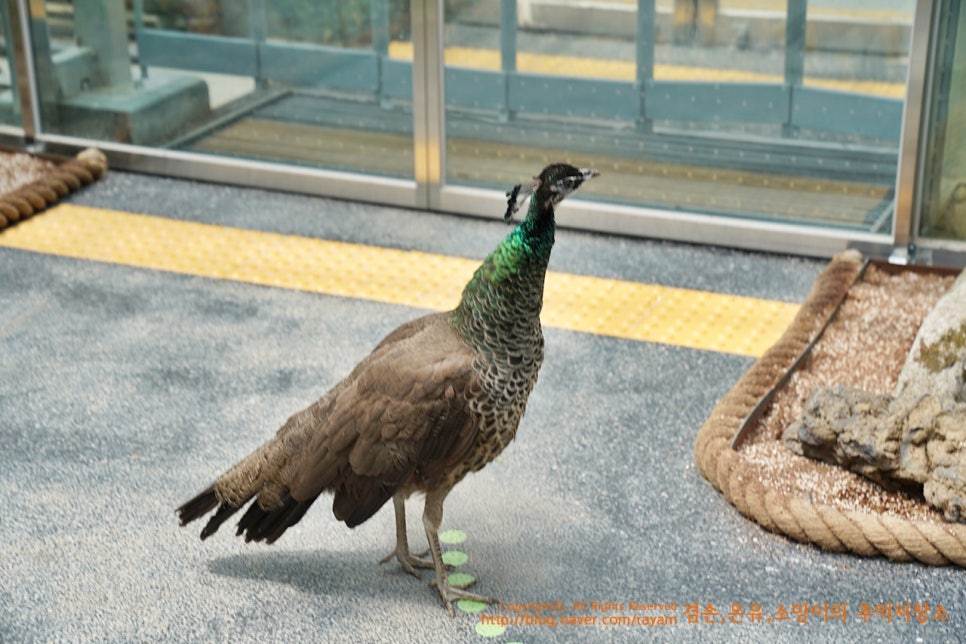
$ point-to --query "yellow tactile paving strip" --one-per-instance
(688, 318)
(608, 69)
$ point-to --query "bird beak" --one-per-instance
(589, 173)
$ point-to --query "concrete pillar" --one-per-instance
(101, 26)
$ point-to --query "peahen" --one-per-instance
(438, 398)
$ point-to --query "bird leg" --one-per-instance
(432, 518)
(409, 561)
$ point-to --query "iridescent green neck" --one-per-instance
(507, 289)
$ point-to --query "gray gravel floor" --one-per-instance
(123, 391)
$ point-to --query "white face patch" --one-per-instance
(559, 190)
(564, 186)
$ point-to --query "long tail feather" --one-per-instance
(260, 476)
(224, 512)
(199, 506)
(268, 525)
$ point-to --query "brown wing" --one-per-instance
(401, 416)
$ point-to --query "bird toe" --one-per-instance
(409, 561)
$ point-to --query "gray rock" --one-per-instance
(914, 438)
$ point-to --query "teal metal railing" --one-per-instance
(509, 92)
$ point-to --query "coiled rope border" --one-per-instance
(829, 527)
(26, 201)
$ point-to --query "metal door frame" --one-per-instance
(429, 190)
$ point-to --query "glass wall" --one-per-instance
(944, 182)
(772, 124)
(753, 108)
(9, 99)
(300, 82)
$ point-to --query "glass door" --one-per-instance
(304, 83)
(942, 218)
(764, 110)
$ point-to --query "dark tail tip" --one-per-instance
(256, 524)
(202, 505)
(268, 525)
(199, 506)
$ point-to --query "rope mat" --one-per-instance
(838, 529)
(22, 200)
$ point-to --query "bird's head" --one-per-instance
(554, 184)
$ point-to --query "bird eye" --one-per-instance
(565, 183)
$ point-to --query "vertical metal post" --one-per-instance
(646, 31)
(795, 25)
(37, 87)
(258, 25)
(508, 52)
(379, 21)
(138, 29)
(379, 26)
(429, 112)
(942, 120)
(8, 29)
(911, 164)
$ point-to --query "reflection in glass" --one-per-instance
(9, 97)
(732, 107)
(294, 81)
(944, 190)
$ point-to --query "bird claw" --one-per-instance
(451, 593)
(409, 561)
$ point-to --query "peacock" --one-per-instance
(438, 398)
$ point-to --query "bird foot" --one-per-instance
(410, 561)
(450, 593)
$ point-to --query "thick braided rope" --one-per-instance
(832, 528)
(28, 200)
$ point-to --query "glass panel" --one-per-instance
(944, 190)
(728, 107)
(304, 82)
(9, 100)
